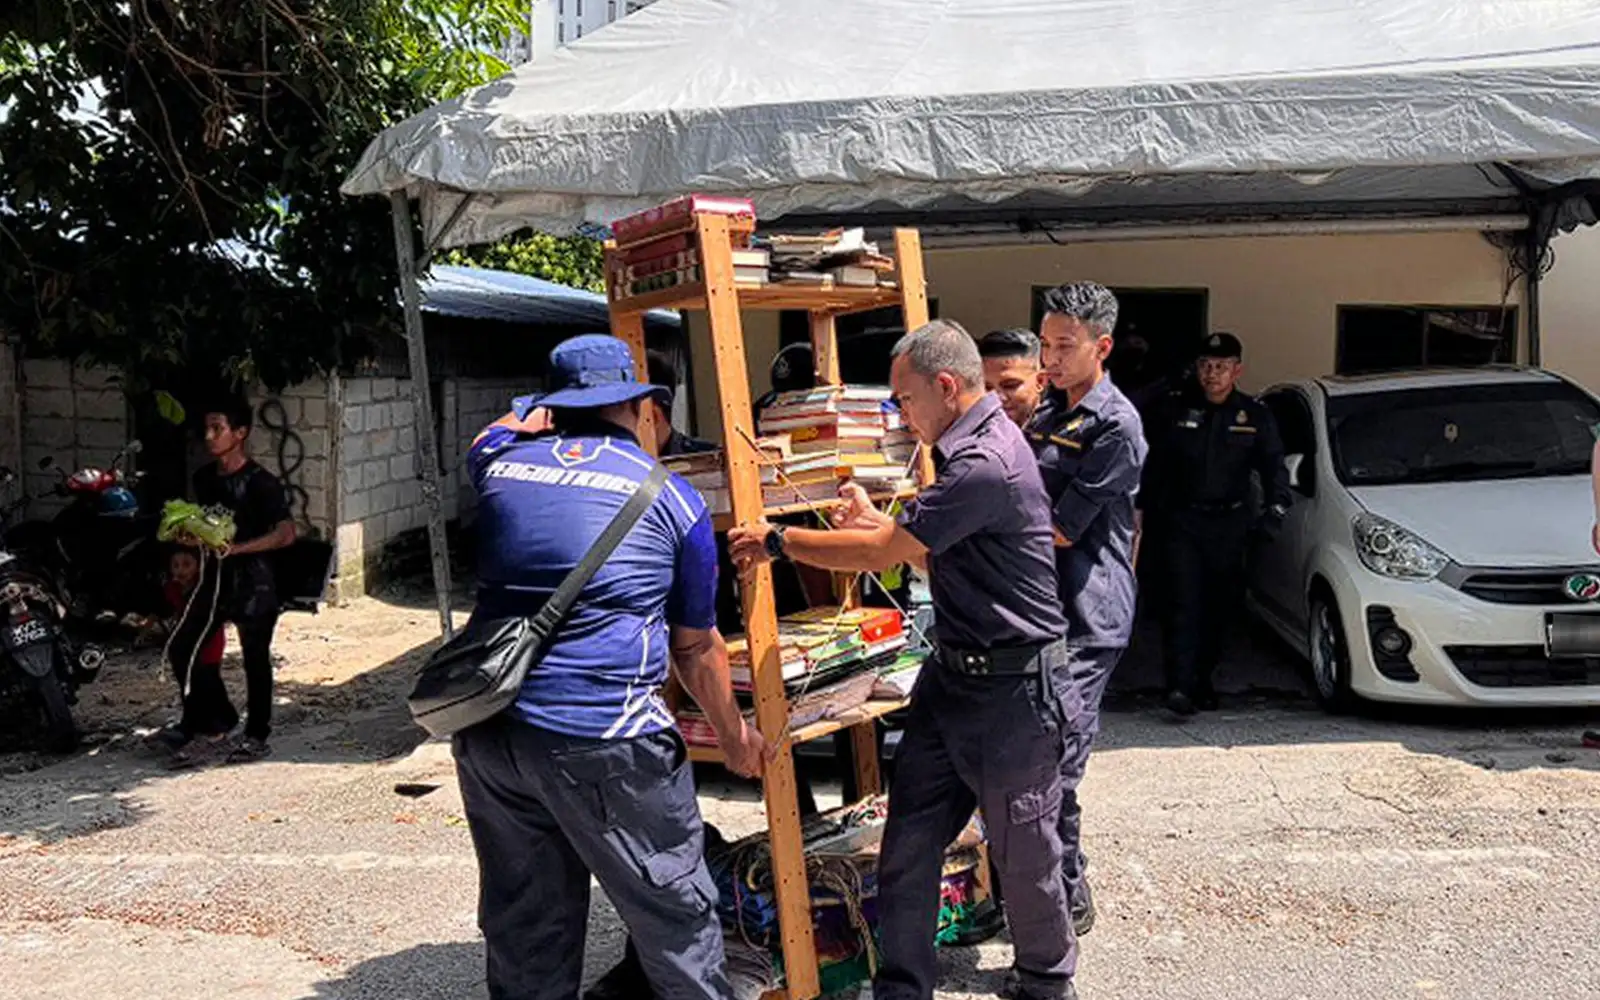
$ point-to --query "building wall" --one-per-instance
(1279, 294)
(296, 445)
(761, 341)
(75, 414)
(1569, 304)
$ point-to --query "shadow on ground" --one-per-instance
(451, 971)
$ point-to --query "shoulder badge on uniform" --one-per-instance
(1073, 425)
(573, 451)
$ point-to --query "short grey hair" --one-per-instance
(942, 346)
(1088, 302)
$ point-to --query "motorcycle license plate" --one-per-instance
(26, 634)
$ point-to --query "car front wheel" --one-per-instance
(1330, 657)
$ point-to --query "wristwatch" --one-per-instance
(774, 543)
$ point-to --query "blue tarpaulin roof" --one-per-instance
(476, 293)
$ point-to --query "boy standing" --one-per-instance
(249, 595)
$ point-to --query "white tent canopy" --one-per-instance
(1071, 111)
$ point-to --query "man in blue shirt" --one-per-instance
(586, 774)
(987, 723)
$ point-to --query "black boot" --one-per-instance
(1180, 704)
(1083, 910)
(625, 981)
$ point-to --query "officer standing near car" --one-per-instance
(1207, 440)
(586, 775)
(986, 725)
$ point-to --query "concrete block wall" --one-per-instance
(380, 487)
(76, 414)
(478, 403)
(304, 430)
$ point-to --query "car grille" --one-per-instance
(1522, 666)
(1514, 587)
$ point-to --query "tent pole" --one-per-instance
(422, 400)
(1536, 245)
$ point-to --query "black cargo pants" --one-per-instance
(546, 811)
(995, 743)
(1205, 591)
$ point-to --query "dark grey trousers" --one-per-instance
(994, 743)
(1088, 670)
(546, 811)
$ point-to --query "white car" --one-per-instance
(1438, 547)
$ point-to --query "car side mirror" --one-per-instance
(1291, 465)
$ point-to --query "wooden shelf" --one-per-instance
(722, 522)
(723, 299)
(869, 712)
(833, 300)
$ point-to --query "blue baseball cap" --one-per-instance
(588, 371)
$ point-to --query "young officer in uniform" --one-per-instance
(1206, 441)
(1011, 371)
(1091, 452)
(986, 722)
(586, 773)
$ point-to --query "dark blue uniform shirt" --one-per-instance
(1091, 457)
(542, 502)
(986, 523)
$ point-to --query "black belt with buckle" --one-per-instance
(1009, 660)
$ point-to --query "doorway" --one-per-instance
(1171, 322)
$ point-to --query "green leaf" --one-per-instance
(169, 408)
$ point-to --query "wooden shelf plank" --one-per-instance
(722, 522)
(869, 712)
(836, 301)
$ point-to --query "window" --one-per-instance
(561, 7)
(561, 33)
(1383, 338)
(1461, 433)
(580, 31)
(611, 10)
(1293, 417)
(580, 14)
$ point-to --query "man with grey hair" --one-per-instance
(987, 722)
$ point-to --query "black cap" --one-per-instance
(1222, 345)
(792, 368)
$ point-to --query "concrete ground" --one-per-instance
(1263, 851)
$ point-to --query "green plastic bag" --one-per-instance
(213, 528)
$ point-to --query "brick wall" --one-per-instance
(381, 510)
(75, 414)
(294, 439)
(478, 402)
(380, 492)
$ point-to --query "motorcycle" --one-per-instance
(41, 664)
(102, 546)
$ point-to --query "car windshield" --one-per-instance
(1462, 433)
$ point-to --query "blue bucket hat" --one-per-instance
(588, 371)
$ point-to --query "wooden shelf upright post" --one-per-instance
(628, 327)
(760, 613)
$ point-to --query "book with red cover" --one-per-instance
(636, 227)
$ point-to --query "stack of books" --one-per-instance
(813, 440)
(839, 257)
(831, 660)
(657, 248)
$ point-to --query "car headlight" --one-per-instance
(1390, 550)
